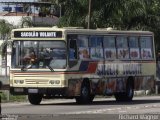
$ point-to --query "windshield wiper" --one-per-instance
(50, 68)
(47, 61)
(25, 68)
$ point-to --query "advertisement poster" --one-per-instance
(96, 53)
(123, 53)
(134, 53)
(110, 53)
(83, 53)
(146, 53)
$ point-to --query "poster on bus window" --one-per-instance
(110, 53)
(134, 53)
(146, 53)
(83, 53)
(96, 53)
(123, 53)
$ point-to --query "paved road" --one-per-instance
(102, 108)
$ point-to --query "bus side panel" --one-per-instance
(74, 87)
(109, 86)
(145, 83)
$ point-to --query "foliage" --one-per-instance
(119, 14)
(5, 32)
(17, 98)
(5, 29)
(26, 22)
(75, 12)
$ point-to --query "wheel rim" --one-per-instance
(130, 92)
(85, 92)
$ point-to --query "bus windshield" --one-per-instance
(39, 54)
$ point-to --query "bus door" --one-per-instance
(72, 50)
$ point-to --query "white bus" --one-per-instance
(81, 63)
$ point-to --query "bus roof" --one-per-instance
(75, 30)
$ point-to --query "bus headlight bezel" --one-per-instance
(19, 81)
(54, 82)
(51, 82)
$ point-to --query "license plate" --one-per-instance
(18, 89)
(33, 90)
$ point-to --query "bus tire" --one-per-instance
(128, 95)
(91, 98)
(35, 99)
(85, 96)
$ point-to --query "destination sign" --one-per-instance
(37, 34)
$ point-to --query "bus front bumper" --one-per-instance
(47, 91)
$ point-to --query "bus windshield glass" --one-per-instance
(39, 54)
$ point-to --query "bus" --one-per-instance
(72, 62)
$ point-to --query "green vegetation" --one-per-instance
(118, 14)
(17, 98)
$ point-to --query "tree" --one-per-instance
(5, 32)
(119, 14)
(104, 13)
(26, 22)
(5, 29)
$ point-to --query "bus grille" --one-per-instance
(36, 81)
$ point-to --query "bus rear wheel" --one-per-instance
(85, 96)
(128, 95)
(35, 99)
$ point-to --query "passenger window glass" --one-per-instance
(109, 47)
(96, 47)
(95, 41)
(83, 48)
(145, 42)
(133, 42)
(122, 47)
(134, 48)
(82, 41)
(146, 47)
(122, 42)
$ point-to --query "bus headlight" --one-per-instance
(18, 81)
(54, 81)
(57, 82)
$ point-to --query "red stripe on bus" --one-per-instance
(92, 67)
(50, 73)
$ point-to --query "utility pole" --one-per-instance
(89, 13)
(6, 41)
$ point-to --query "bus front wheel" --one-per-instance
(35, 99)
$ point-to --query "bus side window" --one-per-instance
(96, 47)
(146, 47)
(134, 47)
(72, 49)
(122, 47)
